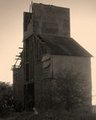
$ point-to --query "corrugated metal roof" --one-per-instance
(64, 46)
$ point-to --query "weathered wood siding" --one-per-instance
(64, 79)
(76, 74)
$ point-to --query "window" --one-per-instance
(27, 49)
(27, 71)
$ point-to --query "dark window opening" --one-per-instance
(27, 49)
(29, 96)
(27, 72)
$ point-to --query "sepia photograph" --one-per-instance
(48, 60)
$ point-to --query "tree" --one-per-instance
(6, 97)
(68, 89)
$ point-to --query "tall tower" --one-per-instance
(55, 68)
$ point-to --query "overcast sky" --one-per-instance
(83, 30)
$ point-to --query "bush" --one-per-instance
(18, 107)
(6, 98)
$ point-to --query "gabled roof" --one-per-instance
(64, 46)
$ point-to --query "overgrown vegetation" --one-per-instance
(6, 98)
(69, 88)
(7, 102)
(9, 105)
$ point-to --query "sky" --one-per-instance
(83, 30)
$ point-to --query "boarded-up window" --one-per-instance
(46, 63)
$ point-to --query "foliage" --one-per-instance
(68, 89)
(6, 98)
(7, 101)
(18, 107)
